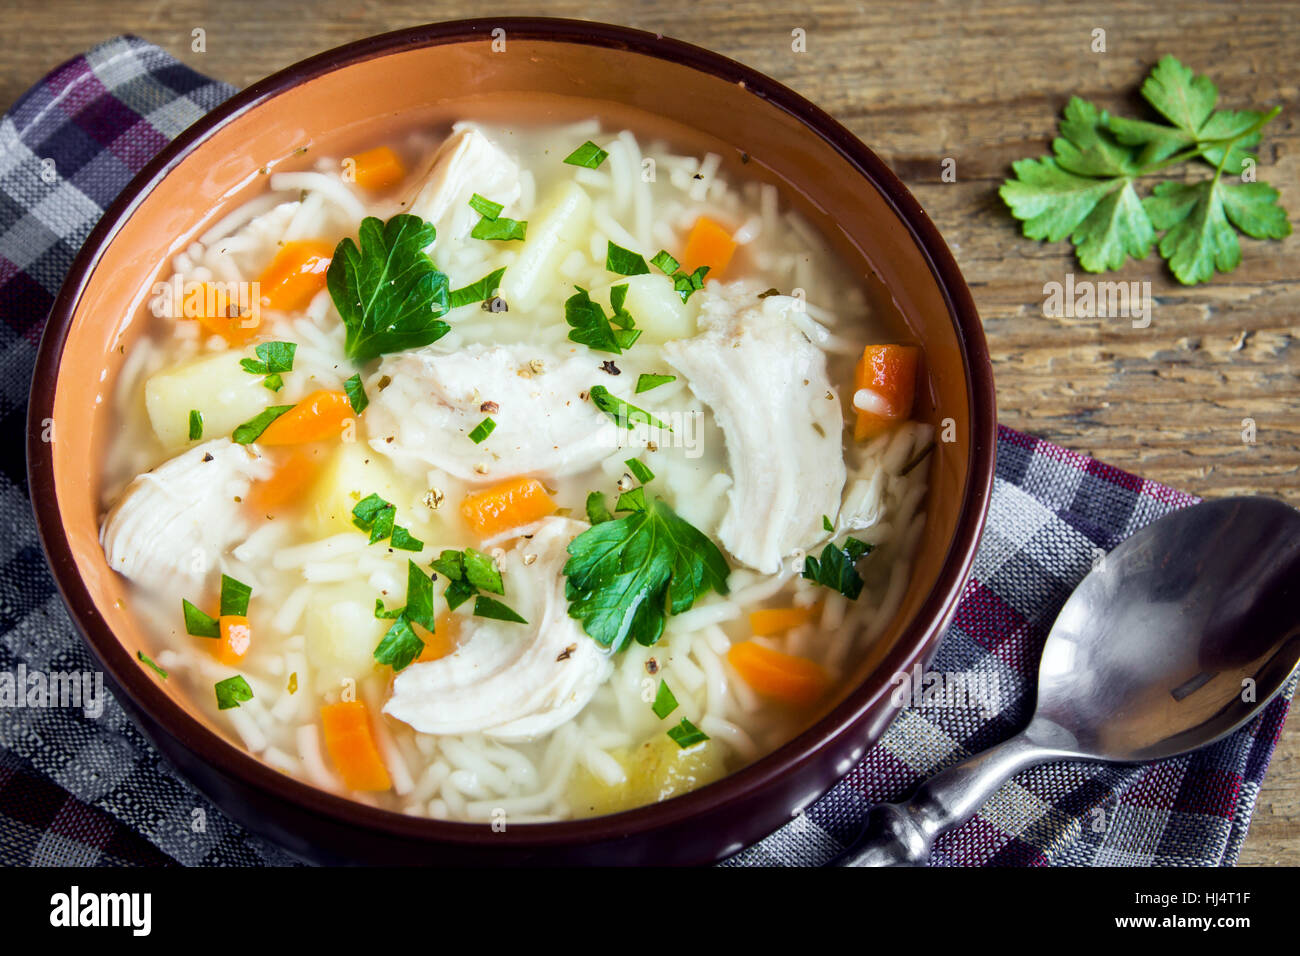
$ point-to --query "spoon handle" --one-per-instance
(901, 834)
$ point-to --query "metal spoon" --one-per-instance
(1176, 638)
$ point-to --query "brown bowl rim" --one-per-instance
(845, 718)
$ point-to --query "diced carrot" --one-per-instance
(443, 641)
(889, 372)
(290, 478)
(510, 504)
(708, 244)
(777, 620)
(322, 414)
(378, 168)
(351, 745)
(212, 306)
(782, 677)
(295, 275)
(234, 638)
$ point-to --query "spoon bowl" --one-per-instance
(1173, 640)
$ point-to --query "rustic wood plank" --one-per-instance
(981, 83)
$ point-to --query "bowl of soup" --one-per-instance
(513, 441)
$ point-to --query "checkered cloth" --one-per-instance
(84, 791)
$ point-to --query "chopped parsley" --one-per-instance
(627, 574)
(665, 702)
(826, 524)
(232, 692)
(234, 596)
(376, 516)
(485, 207)
(468, 572)
(387, 290)
(272, 359)
(639, 470)
(148, 661)
(588, 156)
(624, 413)
(597, 510)
(401, 644)
(198, 622)
(481, 431)
(689, 283)
(356, 393)
(686, 283)
(592, 328)
(493, 225)
(480, 291)
(837, 567)
(196, 424)
(665, 263)
(624, 261)
(501, 229)
(252, 429)
(686, 734)
(494, 609)
(645, 381)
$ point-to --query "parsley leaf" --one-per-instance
(624, 413)
(1199, 219)
(232, 691)
(665, 701)
(624, 261)
(645, 381)
(588, 156)
(485, 207)
(252, 429)
(484, 288)
(401, 644)
(499, 229)
(1084, 193)
(665, 263)
(196, 424)
(494, 609)
(592, 328)
(686, 734)
(149, 662)
(377, 516)
(468, 572)
(234, 596)
(626, 575)
(837, 567)
(481, 431)
(387, 290)
(198, 622)
(356, 393)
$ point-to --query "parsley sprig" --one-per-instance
(386, 289)
(625, 575)
(1086, 189)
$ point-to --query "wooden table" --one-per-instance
(980, 83)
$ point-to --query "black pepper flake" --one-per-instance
(489, 408)
(769, 292)
(567, 652)
(207, 456)
(610, 367)
(744, 157)
(652, 666)
(384, 382)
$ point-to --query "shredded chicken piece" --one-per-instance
(175, 522)
(506, 680)
(468, 162)
(544, 426)
(769, 391)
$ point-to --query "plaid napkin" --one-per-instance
(76, 790)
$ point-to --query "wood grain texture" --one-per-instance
(981, 83)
